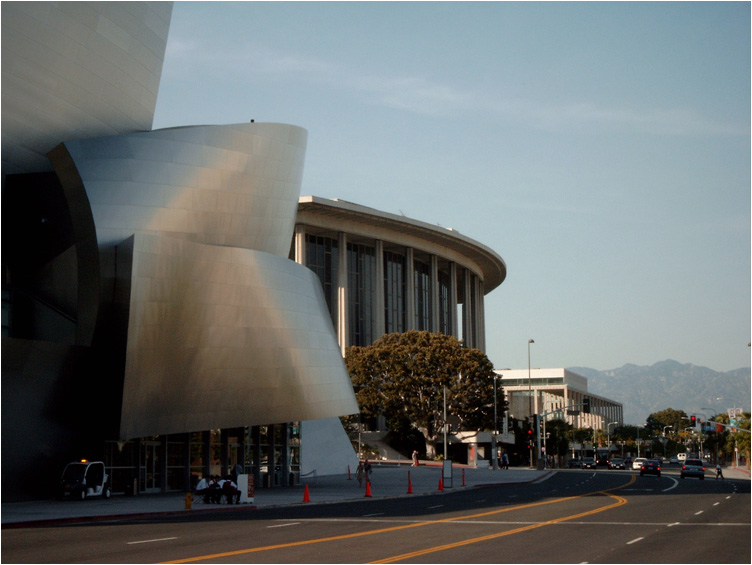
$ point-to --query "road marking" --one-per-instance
(405, 556)
(674, 524)
(634, 541)
(284, 525)
(676, 484)
(372, 515)
(149, 541)
(620, 502)
(698, 513)
(437, 506)
(716, 504)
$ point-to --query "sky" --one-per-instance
(601, 149)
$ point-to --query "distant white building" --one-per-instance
(551, 391)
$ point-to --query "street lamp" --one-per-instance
(608, 438)
(494, 454)
(665, 440)
(530, 395)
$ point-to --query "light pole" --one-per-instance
(608, 438)
(665, 440)
(530, 396)
(494, 454)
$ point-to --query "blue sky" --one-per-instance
(602, 149)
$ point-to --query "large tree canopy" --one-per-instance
(402, 376)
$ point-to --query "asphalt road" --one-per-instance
(574, 517)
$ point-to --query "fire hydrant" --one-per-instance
(188, 501)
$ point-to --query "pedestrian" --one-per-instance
(415, 458)
(505, 461)
(367, 470)
(718, 471)
(359, 473)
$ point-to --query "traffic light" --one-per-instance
(693, 420)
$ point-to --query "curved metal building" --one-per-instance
(171, 305)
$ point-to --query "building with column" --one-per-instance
(551, 392)
(382, 273)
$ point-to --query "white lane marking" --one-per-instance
(371, 515)
(634, 541)
(149, 541)
(716, 504)
(284, 525)
(729, 496)
(437, 506)
(698, 513)
(676, 484)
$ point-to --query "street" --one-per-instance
(576, 516)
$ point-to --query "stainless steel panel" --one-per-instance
(225, 337)
(242, 190)
(74, 70)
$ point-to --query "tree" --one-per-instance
(402, 376)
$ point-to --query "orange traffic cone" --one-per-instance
(441, 484)
(368, 489)
(306, 495)
(409, 484)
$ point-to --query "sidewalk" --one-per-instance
(387, 480)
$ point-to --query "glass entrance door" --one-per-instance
(151, 479)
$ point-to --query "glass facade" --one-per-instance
(446, 317)
(361, 293)
(322, 257)
(422, 273)
(394, 292)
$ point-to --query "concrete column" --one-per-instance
(300, 244)
(342, 325)
(434, 294)
(410, 288)
(481, 317)
(467, 326)
(380, 317)
(453, 297)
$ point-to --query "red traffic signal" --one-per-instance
(693, 420)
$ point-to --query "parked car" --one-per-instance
(637, 463)
(82, 479)
(574, 463)
(616, 463)
(650, 467)
(602, 461)
(588, 463)
(693, 468)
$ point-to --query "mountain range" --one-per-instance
(643, 390)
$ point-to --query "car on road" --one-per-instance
(693, 468)
(589, 463)
(637, 463)
(650, 467)
(574, 463)
(602, 460)
(82, 479)
(616, 463)
(674, 460)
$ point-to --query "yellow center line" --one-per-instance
(418, 525)
(619, 501)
